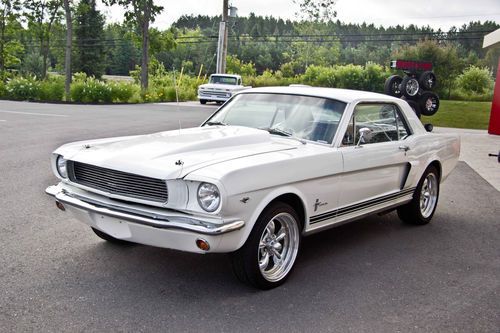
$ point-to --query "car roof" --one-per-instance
(343, 95)
(226, 75)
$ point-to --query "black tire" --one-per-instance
(429, 103)
(392, 86)
(412, 212)
(109, 238)
(203, 101)
(428, 80)
(246, 260)
(414, 106)
(409, 86)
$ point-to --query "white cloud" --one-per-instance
(437, 14)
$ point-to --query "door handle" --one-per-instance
(404, 147)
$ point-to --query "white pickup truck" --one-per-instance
(220, 88)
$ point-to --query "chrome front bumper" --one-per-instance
(168, 221)
(208, 97)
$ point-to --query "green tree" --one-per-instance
(236, 66)
(9, 48)
(121, 53)
(316, 10)
(68, 48)
(89, 39)
(140, 13)
(41, 15)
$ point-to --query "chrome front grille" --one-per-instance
(213, 93)
(118, 182)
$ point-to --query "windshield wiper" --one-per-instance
(274, 130)
(278, 131)
(215, 123)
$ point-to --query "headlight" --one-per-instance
(208, 197)
(61, 166)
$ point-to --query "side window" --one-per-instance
(383, 121)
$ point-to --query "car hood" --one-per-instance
(174, 154)
(218, 86)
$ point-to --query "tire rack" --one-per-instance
(415, 86)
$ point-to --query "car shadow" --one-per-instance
(144, 270)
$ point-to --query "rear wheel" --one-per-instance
(109, 238)
(420, 210)
(203, 101)
(268, 256)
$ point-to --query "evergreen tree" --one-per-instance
(89, 35)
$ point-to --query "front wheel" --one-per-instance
(203, 101)
(268, 256)
(420, 210)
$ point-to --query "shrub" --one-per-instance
(370, 78)
(91, 91)
(52, 89)
(374, 77)
(23, 89)
(475, 80)
(350, 76)
(3, 92)
(122, 92)
(79, 77)
(33, 64)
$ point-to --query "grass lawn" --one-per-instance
(460, 114)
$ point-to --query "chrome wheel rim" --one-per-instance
(430, 104)
(412, 87)
(278, 247)
(395, 88)
(428, 195)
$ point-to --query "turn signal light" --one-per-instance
(202, 244)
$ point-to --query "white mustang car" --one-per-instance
(268, 167)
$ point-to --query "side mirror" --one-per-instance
(428, 127)
(365, 134)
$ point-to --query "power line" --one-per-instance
(341, 34)
(286, 38)
(305, 41)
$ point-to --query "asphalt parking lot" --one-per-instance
(374, 275)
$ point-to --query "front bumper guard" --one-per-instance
(135, 216)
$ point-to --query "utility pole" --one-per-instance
(222, 43)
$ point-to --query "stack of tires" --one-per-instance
(415, 88)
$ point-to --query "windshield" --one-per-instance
(223, 80)
(304, 117)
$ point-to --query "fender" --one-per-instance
(264, 202)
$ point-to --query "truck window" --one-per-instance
(223, 80)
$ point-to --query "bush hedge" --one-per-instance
(475, 84)
(23, 89)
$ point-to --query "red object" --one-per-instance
(411, 65)
(494, 127)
